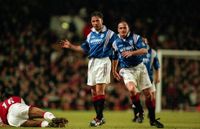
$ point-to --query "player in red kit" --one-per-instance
(14, 112)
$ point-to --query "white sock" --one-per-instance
(48, 116)
(44, 123)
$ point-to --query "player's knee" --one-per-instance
(100, 92)
(131, 87)
(147, 93)
(100, 89)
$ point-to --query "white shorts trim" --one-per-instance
(138, 75)
(18, 114)
(99, 71)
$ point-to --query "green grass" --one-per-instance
(122, 120)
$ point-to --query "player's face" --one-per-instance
(123, 29)
(97, 23)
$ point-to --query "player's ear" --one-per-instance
(102, 20)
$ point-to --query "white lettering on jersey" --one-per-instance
(96, 41)
(10, 101)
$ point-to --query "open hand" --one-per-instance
(117, 76)
(65, 44)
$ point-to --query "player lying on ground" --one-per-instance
(14, 112)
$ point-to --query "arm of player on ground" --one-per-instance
(2, 124)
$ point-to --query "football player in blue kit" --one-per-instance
(98, 47)
(153, 66)
(129, 51)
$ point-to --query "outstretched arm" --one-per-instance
(68, 44)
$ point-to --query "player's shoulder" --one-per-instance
(16, 98)
(117, 40)
(153, 51)
(136, 38)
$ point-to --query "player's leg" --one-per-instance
(135, 98)
(41, 123)
(138, 117)
(98, 76)
(153, 97)
(150, 104)
(98, 93)
(35, 123)
(130, 77)
(147, 87)
(35, 112)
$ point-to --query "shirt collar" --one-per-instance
(102, 30)
(125, 37)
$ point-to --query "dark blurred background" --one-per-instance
(34, 67)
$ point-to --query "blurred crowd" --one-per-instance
(33, 65)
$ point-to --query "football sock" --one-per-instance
(151, 108)
(135, 110)
(137, 105)
(98, 102)
(48, 116)
(44, 123)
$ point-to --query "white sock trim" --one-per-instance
(44, 123)
(48, 116)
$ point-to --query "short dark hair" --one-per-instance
(98, 14)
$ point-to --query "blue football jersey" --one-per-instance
(131, 43)
(151, 61)
(99, 44)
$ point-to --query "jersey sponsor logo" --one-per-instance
(126, 49)
(95, 41)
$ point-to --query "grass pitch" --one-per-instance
(122, 120)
